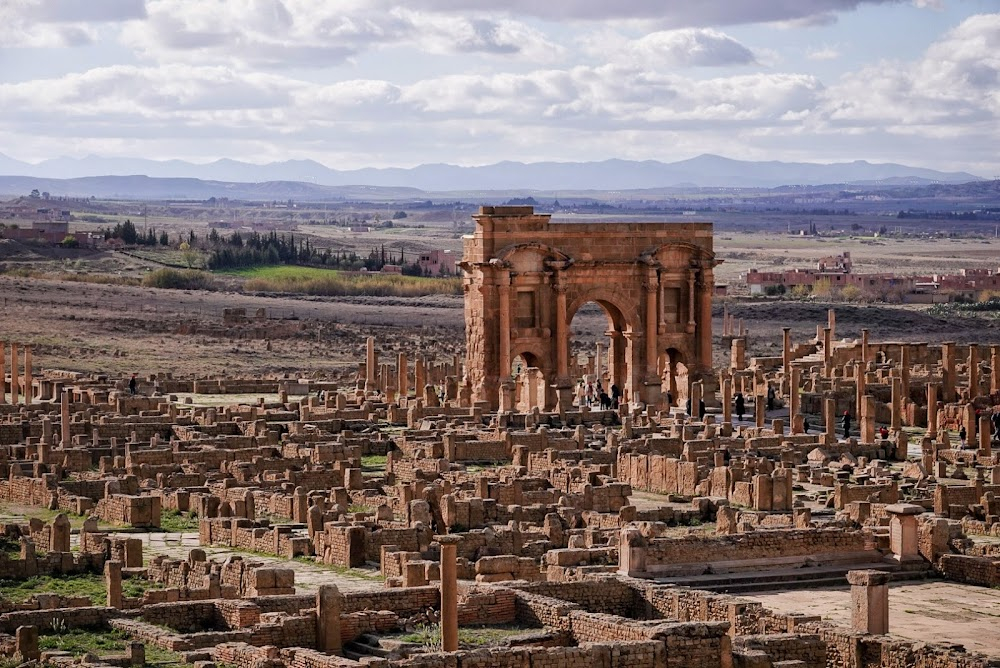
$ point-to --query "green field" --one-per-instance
(334, 283)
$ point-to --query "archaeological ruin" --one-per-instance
(835, 504)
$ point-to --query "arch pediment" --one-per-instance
(678, 254)
(531, 257)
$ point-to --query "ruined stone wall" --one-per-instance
(759, 545)
(982, 571)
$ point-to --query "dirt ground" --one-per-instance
(121, 329)
(935, 611)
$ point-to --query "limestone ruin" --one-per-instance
(421, 518)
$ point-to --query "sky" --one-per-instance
(378, 83)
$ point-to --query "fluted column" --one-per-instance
(504, 290)
(652, 324)
(562, 337)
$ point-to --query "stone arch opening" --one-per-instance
(597, 329)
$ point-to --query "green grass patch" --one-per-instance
(89, 585)
(334, 283)
(373, 462)
(102, 643)
(174, 521)
(468, 637)
(359, 508)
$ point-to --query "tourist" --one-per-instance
(132, 385)
(770, 398)
(846, 422)
(741, 406)
(616, 396)
(883, 433)
(962, 434)
(805, 425)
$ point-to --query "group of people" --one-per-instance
(591, 394)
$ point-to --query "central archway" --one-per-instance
(597, 330)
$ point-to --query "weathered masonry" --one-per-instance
(526, 277)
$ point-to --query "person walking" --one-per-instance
(741, 406)
(846, 423)
(132, 385)
(962, 434)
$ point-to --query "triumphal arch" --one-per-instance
(525, 278)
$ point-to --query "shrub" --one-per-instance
(179, 279)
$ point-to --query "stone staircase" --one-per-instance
(369, 645)
(801, 577)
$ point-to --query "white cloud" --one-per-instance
(956, 83)
(60, 23)
(690, 47)
(672, 14)
(305, 33)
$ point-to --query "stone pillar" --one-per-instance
(3, 372)
(994, 368)
(562, 337)
(727, 400)
(504, 352)
(113, 583)
(28, 385)
(697, 395)
(897, 404)
(831, 321)
(402, 380)
(449, 594)
(865, 359)
(738, 355)
(869, 601)
(931, 410)
(827, 352)
(64, 428)
(26, 643)
(14, 381)
(598, 360)
(973, 371)
(861, 386)
(370, 361)
(652, 325)
(903, 531)
(328, 605)
(759, 406)
(948, 371)
(793, 397)
(60, 534)
(867, 419)
(691, 301)
(830, 419)
(419, 375)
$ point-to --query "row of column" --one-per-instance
(381, 376)
(19, 384)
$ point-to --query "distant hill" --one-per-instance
(144, 187)
(702, 171)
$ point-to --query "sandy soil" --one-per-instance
(944, 612)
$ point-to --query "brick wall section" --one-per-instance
(664, 553)
(983, 571)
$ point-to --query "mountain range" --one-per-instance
(702, 171)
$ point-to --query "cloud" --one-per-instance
(60, 23)
(673, 14)
(956, 84)
(702, 47)
(305, 33)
